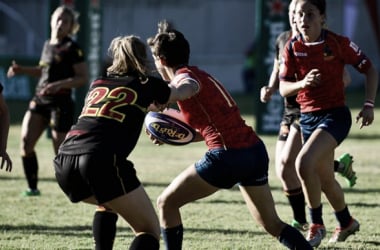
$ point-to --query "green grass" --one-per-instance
(218, 222)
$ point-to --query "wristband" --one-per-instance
(369, 104)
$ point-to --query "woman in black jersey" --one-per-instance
(61, 68)
(92, 166)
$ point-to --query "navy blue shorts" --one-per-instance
(98, 174)
(335, 121)
(225, 168)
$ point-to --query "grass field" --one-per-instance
(217, 222)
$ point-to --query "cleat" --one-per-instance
(347, 172)
(316, 234)
(300, 226)
(341, 234)
(31, 192)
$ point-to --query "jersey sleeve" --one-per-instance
(287, 64)
(77, 54)
(43, 59)
(352, 54)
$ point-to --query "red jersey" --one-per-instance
(330, 54)
(213, 112)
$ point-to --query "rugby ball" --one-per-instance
(167, 127)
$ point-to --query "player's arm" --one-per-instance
(4, 129)
(266, 92)
(16, 69)
(312, 79)
(79, 79)
(183, 89)
(372, 79)
(366, 115)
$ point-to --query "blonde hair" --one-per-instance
(129, 55)
(72, 13)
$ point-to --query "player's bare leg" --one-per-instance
(261, 205)
(186, 187)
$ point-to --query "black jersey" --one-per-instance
(57, 61)
(291, 105)
(113, 115)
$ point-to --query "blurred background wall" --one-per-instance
(219, 31)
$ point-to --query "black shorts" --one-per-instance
(290, 118)
(104, 176)
(59, 113)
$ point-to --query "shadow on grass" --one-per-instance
(223, 231)
(86, 231)
(79, 231)
(369, 137)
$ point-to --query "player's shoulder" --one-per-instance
(284, 36)
(332, 36)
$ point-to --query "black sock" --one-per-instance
(296, 199)
(145, 242)
(293, 239)
(104, 229)
(336, 166)
(343, 217)
(173, 237)
(30, 165)
(316, 215)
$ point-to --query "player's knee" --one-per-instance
(163, 202)
(26, 148)
(160, 202)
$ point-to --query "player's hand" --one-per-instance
(6, 160)
(366, 115)
(266, 94)
(157, 107)
(13, 69)
(312, 79)
(50, 89)
(153, 138)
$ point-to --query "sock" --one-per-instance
(30, 165)
(173, 237)
(296, 199)
(104, 229)
(316, 215)
(343, 217)
(145, 242)
(336, 166)
(293, 239)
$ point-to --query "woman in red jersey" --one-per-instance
(289, 136)
(313, 65)
(236, 155)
